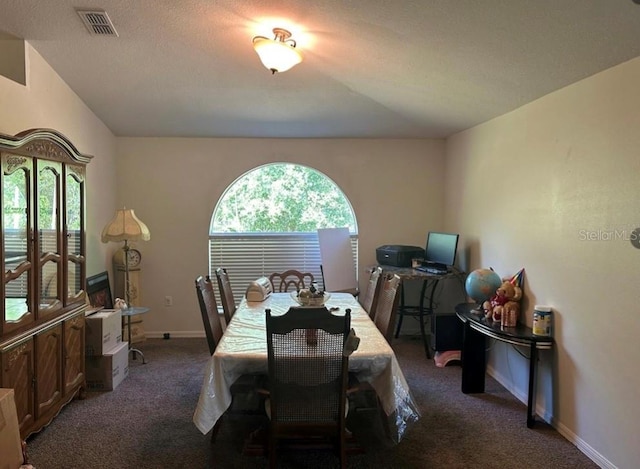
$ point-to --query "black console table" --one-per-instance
(427, 305)
(476, 330)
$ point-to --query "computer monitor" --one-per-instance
(441, 248)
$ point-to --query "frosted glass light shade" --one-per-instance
(279, 54)
(125, 226)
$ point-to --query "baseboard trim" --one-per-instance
(175, 334)
(574, 439)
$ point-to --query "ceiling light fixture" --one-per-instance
(278, 54)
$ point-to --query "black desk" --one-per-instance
(476, 330)
(429, 284)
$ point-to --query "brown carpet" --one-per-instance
(147, 423)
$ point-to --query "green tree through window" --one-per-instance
(282, 198)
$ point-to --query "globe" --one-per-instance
(481, 284)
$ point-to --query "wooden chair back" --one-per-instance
(387, 306)
(209, 311)
(226, 294)
(290, 280)
(370, 299)
(308, 373)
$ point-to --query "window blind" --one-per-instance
(248, 256)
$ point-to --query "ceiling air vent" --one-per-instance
(97, 22)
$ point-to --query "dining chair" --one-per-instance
(387, 305)
(370, 299)
(226, 294)
(209, 311)
(307, 378)
(244, 390)
(362, 395)
(290, 280)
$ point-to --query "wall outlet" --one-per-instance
(168, 300)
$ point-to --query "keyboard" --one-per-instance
(431, 270)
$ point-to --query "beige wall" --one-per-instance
(525, 190)
(395, 188)
(47, 102)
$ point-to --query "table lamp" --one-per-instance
(125, 226)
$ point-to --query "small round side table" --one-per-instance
(128, 313)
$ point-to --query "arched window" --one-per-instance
(266, 222)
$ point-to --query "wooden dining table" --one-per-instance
(243, 350)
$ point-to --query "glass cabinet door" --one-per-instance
(74, 229)
(16, 242)
(49, 245)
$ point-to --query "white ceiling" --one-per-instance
(372, 68)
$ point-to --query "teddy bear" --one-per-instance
(504, 305)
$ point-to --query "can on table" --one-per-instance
(542, 320)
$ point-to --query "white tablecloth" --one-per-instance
(243, 349)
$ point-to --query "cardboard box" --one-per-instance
(10, 442)
(103, 331)
(106, 372)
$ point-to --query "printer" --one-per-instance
(258, 290)
(398, 255)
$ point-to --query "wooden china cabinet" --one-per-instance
(42, 298)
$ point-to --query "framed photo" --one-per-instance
(99, 291)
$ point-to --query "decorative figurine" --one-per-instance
(504, 306)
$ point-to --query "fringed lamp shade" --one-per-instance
(125, 226)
